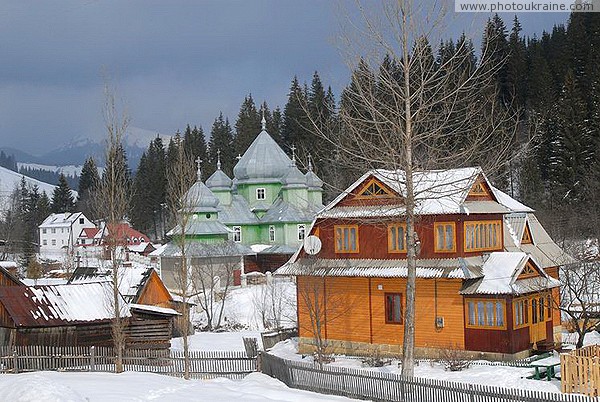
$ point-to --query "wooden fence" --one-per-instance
(231, 364)
(379, 386)
(580, 370)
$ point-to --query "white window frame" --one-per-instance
(261, 193)
(43, 230)
(237, 234)
(81, 221)
(44, 242)
(271, 233)
(53, 242)
(301, 231)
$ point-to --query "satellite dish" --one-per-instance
(312, 245)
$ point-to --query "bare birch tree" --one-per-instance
(180, 176)
(112, 203)
(413, 112)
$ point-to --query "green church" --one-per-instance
(258, 218)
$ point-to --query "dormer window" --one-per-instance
(261, 193)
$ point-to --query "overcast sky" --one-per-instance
(173, 62)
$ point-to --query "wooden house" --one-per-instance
(486, 269)
(77, 315)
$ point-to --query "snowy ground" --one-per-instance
(208, 341)
(498, 376)
(93, 387)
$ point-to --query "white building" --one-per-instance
(60, 231)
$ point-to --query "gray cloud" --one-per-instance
(173, 62)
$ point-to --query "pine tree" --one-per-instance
(62, 197)
(247, 125)
(221, 140)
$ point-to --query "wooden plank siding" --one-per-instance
(154, 292)
(373, 241)
(362, 317)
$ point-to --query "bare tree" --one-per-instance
(112, 203)
(270, 303)
(212, 278)
(179, 178)
(580, 297)
(414, 113)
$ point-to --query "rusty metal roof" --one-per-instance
(58, 305)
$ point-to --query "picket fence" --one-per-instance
(377, 386)
(230, 364)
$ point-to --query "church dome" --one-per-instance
(219, 181)
(199, 198)
(313, 181)
(294, 177)
(263, 162)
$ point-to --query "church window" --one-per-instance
(301, 232)
(237, 234)
(207, 216)
(346, 238)
(271, 233)
(444, 237)
(261, 193)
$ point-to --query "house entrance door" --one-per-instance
(537, 327)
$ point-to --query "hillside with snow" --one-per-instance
(10, 180)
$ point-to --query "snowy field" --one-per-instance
(105, 387)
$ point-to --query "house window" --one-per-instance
(346, 238)
(237, 234)
(45, 242)
(393, 308)
(397, 238)
(486, 313)
(445, 238)
(271, 233)
(526, 236)
(483, 235)
(53, 230)
(301, 232)
(44, 231)
(54, 242)
(261, 193)
(81, 221)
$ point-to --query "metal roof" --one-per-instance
(263, 160)
(238, 212)
(58, 305)
(219, 181)
(282, 211)
(199, 198)
(453, 268)
(200, 226)
(197, 249)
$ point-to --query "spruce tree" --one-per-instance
(221, 140)
(88, 182)
(247, 125)
(194, 143)
(62, 197)
(294, 130)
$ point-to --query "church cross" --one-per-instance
(293, 148)
(238, 157)
(198, 162)
(218, 159)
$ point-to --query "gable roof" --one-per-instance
(436, 192)
(60, 220)
(501, 276)
(132, 279)
(57, 305)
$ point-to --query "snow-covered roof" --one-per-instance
(60, 220)
(436, 192)
(454, 268)
(154, 309)
(56, 305)
(131, 279)
(500, 276)
(200, 226)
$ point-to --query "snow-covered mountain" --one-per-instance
(68, 170)
(10, 180)
(77, 150)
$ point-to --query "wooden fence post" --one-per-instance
(471, 393)
(15, 362)
(93, 358)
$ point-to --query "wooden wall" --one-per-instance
(362, 317)
(372, 236)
